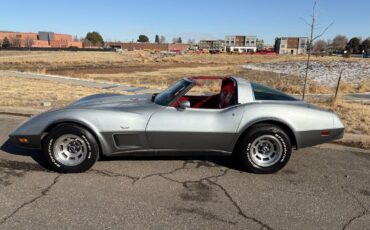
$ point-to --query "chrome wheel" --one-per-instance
(70, 150)
(265, 151)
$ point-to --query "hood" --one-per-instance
(106, 101)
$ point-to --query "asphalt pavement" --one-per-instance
(324, 187)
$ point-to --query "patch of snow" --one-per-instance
(325, 73)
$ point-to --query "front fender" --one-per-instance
(97, 121)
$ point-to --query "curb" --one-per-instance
(20, 111)
(16, 114)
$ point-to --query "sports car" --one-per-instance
(258, 125)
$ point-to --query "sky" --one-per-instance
(190, 19)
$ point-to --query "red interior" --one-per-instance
(224, 99)
(227, 95)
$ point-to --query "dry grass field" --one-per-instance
(31, 93)
(356, 118)
(154, 71)
(22, 60)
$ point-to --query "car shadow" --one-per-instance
(201, 159)
(208, 159)
(10, 148)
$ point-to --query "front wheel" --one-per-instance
(265, 148)
(70, 149)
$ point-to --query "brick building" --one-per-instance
(40, 39)
(291, 45)
(130, 46)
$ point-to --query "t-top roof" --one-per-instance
(208, 77)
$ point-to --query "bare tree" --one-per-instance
(313, 37)
(191, 42)
(86, 43)
(162, 39)
(28, 42)
(15, 42)
(320, 46)
(339, 43)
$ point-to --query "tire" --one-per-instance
(70, 149)
(264, 149)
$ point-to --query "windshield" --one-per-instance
(169, 94)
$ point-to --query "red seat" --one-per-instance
(227, 95)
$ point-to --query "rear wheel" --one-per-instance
(70, 149)
(265, 148)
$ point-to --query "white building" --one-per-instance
(241, 44)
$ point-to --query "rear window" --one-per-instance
(262, 92)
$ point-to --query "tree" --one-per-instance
(320, 46)
(6, 43)
(276, 45)
(365, 45)
(156, 38)
(28, 42)
(176, 40)
(312, 39)
(191, 42)
(354, 45)
(143, 38)
(86, 43)
(162, 39)
(329, 46)
(15, 42)
(339, 43)
(95, 38)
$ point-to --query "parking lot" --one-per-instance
(324, 187)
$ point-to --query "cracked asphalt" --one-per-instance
(324, 187)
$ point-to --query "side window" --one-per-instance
(265, 93)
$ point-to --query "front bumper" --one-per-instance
(34, 141)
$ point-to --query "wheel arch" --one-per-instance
(281, 124)
(92, 130)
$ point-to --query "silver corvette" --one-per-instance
(258, 125)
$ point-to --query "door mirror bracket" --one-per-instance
(184, 104)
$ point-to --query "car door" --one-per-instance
(194, 129)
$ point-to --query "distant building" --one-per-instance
(130, 46)
(260, 44)
(291, 45)
(211, 44)
(40, 39)
(241, 44)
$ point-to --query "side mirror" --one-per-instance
(185, 104)
(153, 96)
